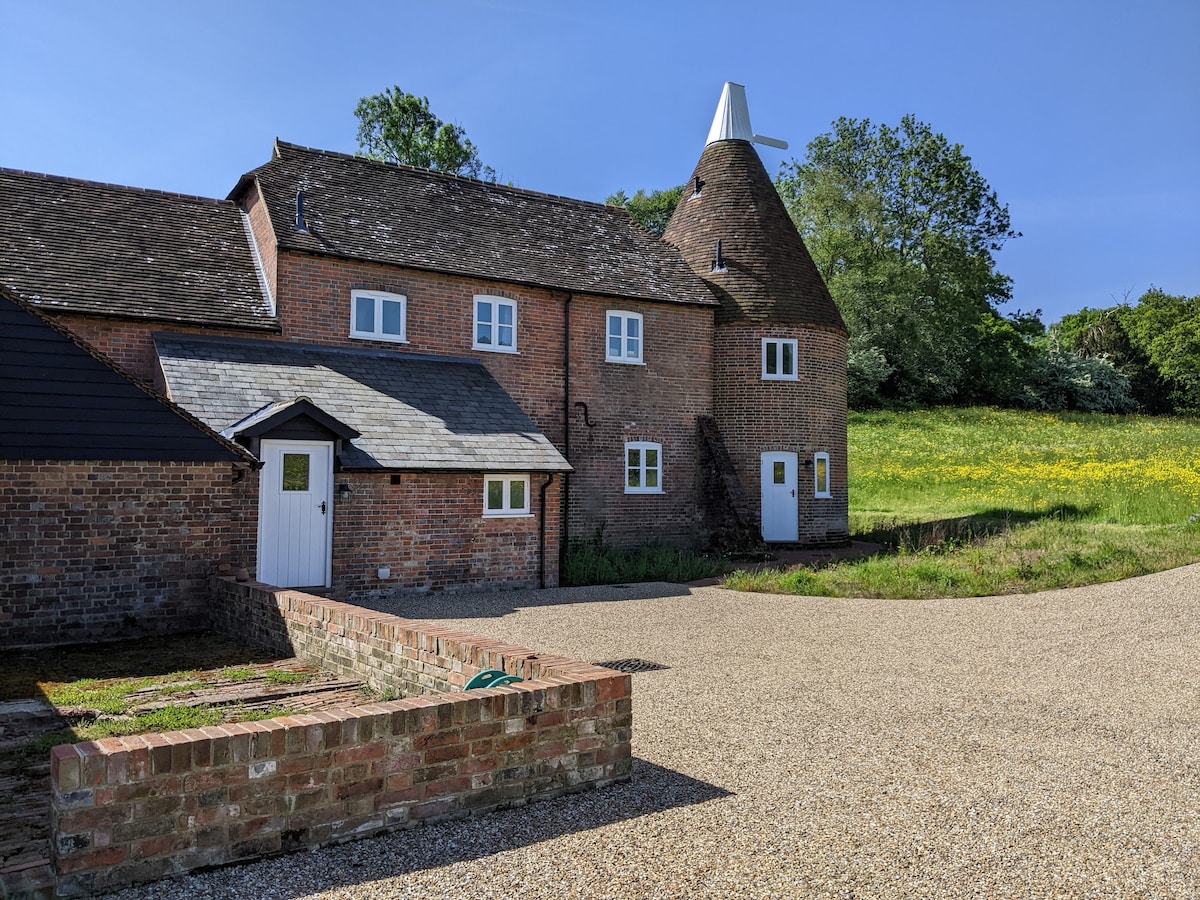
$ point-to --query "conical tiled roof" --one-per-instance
(768, 274)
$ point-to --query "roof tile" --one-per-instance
(413, 412)
(406, 216)
(102, 249)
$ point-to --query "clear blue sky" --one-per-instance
(1084, 115)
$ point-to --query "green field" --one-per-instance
(972, 502)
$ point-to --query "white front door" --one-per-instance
(295, 513)
(779, 504)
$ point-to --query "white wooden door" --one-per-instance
(779, 503)
(295, 513)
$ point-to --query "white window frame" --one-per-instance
(624, 317)
(507, 510)
(642, 468)
(379, 298)
(495, 303)
(819, 458)
(779, 374)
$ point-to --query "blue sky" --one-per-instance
(1083, 116)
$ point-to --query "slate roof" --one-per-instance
(406, 216)
(61, 400)
(413, 412)
(101, 249)
(769, 275)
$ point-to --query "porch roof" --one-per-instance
(412, 412)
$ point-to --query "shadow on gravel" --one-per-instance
(651, 790)
(489, 604)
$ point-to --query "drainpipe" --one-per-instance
(566, 482)
(542, 532)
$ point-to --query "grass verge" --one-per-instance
(595, 562)
(975, 502)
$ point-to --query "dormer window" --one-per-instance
(378, 315)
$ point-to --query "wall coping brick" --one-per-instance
(340, 774)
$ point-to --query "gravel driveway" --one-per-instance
(1045, 745)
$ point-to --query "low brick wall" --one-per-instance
(139, 808)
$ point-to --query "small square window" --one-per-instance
(495, 324)
(378, 315)
(624, 333)
(821, 475)
(506, 495)
(295, 472)
(778, 359)
(643, 468)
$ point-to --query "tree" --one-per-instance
(1155, 343)
(396, 126)
(903, 227)
(652, 211)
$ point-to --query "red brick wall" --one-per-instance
(805, 416)
(94, 551)
(264, 237)
(126, 810)
(658, 402)
(314, 307)
(431, 532)
(130, 346)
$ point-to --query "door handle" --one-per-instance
(323, 506)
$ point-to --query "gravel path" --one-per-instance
(1045, 745)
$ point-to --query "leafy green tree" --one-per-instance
(652, 211)
(903, 228)
(396, 126)
(1166, 328)
(1155, 343)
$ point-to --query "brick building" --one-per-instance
(433, 380)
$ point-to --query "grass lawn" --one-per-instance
(973, 502)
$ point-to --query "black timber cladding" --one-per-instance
(411, 412)
(400, 215)
(100, 249)
(60, 401)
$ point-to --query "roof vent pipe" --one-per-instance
(718, 264)
(300, 225)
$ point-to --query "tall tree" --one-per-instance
(903, 228)
(1154, 342)
(396, 126)
(653, 210)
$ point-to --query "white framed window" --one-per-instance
(378, 315)
(643, 467)
(624, 344)
(779, 359)
(506, 495)
(821, 475)
(495, 324)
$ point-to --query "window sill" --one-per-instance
(488, 349)
(644, 491)
(624, 362)
(388, 338)
(780, 378)
(508, 515)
